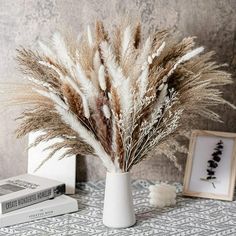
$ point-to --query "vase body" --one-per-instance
(118, 211)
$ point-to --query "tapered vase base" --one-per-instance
(118, 211)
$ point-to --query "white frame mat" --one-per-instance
(202, 144)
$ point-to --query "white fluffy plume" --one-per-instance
(61, 50)
(96, 61)
(46, 50)
(87, 86)
(119, 81)
(185, 58)
(160, 49)
(101, 78)
(90, 37)
(106, 111)
(142, 58)
(143, 82)
(127, 41)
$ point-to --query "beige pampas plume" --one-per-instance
(117, 95)
(101, 34)
(79, 92)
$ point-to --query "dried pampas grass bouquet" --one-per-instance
(116, 95)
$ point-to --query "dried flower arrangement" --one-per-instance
(116, 96)
(213, 163)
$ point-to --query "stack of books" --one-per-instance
(28, 197)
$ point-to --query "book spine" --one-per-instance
(30, 199)
(36, 214)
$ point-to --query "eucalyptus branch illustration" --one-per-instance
(214, 163)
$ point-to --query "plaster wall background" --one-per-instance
(23, 22)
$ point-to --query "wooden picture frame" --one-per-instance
(201, 148)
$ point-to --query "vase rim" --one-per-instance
(118, 173)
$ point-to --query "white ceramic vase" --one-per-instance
(118, 211)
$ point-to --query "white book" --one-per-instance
(54, 207)
(25, 190)
(63, 170)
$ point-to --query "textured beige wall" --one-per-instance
(23, 22)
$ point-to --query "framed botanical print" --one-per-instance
(211, 165)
